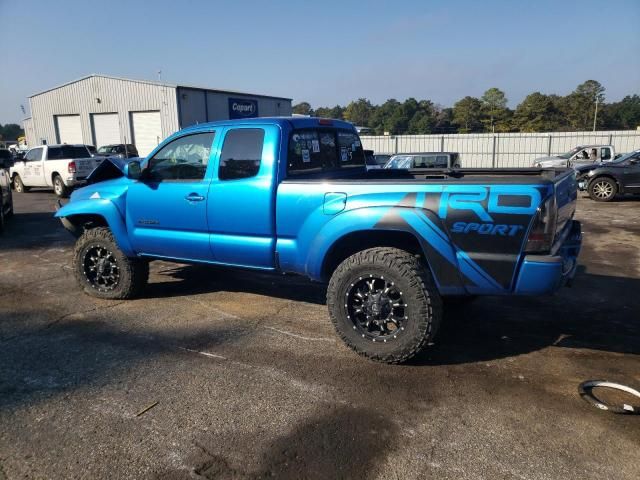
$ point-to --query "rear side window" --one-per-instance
(605, 154)
(67, 151)
(323, 149)
(241, 153)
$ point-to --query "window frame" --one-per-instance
(147, 177)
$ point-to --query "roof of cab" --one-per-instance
(287, 122)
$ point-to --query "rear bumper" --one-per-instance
(542, 274)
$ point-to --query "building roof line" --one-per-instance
(157, 83)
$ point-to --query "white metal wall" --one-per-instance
(98, 94)
(504, 149)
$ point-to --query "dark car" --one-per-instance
(604, 181)
(119, 150)
(6, 199)
(92, 149)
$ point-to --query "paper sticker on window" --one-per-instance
(305, 156)
(344, 154)
(316, 146)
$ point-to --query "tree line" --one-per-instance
(10, 131)
(538, 112)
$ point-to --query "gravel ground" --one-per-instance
(246, 378)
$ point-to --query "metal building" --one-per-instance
(100, 110)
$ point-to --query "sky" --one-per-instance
(326, 52)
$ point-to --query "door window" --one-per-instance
(33, 155)
(185, 158)
(241, 153)
(605, 153)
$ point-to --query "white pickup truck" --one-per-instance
(59, 166)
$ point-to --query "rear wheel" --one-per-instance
(59, 187)
(18, 186)
(103, 270)
(603, 189)
(384, 304)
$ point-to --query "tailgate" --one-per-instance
(566, 196)
(84, 166)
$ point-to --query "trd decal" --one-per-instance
(496, 199)
(486, 228)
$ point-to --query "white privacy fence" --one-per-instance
(482, 150)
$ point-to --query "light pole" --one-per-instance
(595, 114)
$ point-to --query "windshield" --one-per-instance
(570, 153)
(625, 157)
(399, 161)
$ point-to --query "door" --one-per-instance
(147, 131)
(631, 174)
(106, 129)
(69, 129)
(167, 207)
(33, 172)
(242, 197)
(5, 187)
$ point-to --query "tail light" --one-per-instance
(543, 229)
(72, 167)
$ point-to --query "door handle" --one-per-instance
(194, 197)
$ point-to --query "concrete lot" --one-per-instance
(251, 381)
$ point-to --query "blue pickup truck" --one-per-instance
(293, 195)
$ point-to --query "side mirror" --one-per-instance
(634, 160)
(133, 170)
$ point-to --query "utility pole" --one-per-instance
(595, 115)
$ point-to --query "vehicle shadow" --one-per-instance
(599, 312)
(346, 442)
(183, 280)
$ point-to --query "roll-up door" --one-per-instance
(69, 129)
(147, 131)
(106, 129)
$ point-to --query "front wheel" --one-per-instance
(384, 304)
(603, 189)
(18, 185)
(59, 187)
(103, 270)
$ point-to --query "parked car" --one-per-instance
(6, 198)
(374, 161)
(604, 181)
(291, 195)
(424, 160)
(119, 150)
(582, 155)
(62, 167)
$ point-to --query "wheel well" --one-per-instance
(84, 222)
(54, 175)
(604, 175)
(362, 240)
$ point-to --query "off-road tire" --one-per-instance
(133, 272)
(600, 183)
(18, 185)
(413, 278)
(59, 187)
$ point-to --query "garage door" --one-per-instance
(69, 129)
(106, 129)
(147, 131)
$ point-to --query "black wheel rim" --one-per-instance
(376, 308)
(100, 268)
